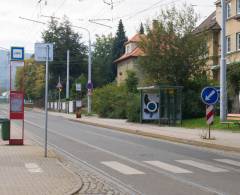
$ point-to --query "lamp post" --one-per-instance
(223, 85)
(89, 67)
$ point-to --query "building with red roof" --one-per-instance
(128, 61)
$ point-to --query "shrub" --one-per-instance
(192, 106)
(110, 101)
(133, 108)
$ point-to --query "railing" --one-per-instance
(63, 106)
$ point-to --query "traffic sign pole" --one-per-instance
(209, 118)
(210, 96)
(46, 101)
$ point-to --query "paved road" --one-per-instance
(142, 165)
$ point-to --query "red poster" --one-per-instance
(16, 105)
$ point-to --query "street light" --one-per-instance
(223, 85)
(89, 66)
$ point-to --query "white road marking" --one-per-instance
(229, 161)
(33, 168)
(167, 167)
(121, 168)
(176, 178)
(203, 166)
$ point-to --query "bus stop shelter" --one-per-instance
(161, 103)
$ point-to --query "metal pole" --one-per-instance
(89, 65)
(46, 101)
(89, 73)
(67, 84)
(59, 95)
(223, 83)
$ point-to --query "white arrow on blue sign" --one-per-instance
(209, 95)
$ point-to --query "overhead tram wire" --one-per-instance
(59, 7)
(153, 6)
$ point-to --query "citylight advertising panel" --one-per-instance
(16, 105)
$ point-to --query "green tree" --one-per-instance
(118, 46)
(175, 55)
(102, 61)
(31, 79)
(141, 29)
(64, 38)
(131, 81)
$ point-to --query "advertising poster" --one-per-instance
(16, 105)
(150, 106)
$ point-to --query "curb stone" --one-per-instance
(164, 137)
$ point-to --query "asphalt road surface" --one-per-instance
(142, 165)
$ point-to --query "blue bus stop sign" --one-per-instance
(209, 95)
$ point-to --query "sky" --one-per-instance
(18, 32)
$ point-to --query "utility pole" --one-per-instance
(89, 75)
(223, 68)
(59, 93)
(67, 84)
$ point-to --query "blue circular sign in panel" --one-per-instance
(209, 95)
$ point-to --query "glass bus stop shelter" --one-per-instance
(161, 103)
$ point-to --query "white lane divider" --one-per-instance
(33, 168)
(202, 166)
(229, 161)
(121, 168)
(167, 167)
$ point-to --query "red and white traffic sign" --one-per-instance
(210, 114)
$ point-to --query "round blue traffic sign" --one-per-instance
(209, 95)
(90, 85)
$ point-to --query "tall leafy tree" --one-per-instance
(64, 38)
(118, 45)
(175, 55)
(102, 60)
(31, 78)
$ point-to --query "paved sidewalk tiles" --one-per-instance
(24, 170)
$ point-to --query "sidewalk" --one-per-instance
(223, 140)
(24, 171)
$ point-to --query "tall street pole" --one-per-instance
(223, 68)
(89, 73)
(67, 84)
(89, 67)
(46, 101)
(59, 94)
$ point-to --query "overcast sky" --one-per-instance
(17, 32)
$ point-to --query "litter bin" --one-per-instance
(5, 127)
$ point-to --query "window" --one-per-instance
(228, 10)
(238, 41)
(127, 49)
(228, 44)
(238, 6)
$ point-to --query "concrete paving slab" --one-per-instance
(24, 170)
